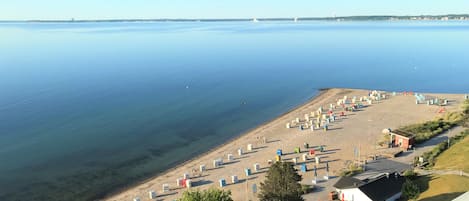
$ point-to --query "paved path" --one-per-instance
(404, 161)
(429, 145)
(441, 172)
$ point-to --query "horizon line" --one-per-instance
(230, 19)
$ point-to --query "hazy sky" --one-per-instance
(106, 9)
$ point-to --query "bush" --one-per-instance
(206, 195)
(429, 129)
(410, 174)
(465, 118)
(465, 107)
(453, 117)
(410, 190)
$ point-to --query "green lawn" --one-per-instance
(455, 158)
(447, 187)
(442, 187)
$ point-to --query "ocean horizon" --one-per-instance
(90, 108)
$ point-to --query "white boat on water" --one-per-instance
(255, 20)
(295, 19)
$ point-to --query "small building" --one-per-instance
(385, 187)
(402, 139)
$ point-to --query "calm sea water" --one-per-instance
(86, 108)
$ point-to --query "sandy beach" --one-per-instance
(360, 129)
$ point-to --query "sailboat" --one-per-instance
(255, 20)
(295, 19)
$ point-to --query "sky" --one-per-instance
(125, 9)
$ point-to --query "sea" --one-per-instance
(89, 108)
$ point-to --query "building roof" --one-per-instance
(402, 133)
(379, 188)
(462, 197)
(348, 182)
(383, 187)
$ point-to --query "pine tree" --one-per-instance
(281, 184)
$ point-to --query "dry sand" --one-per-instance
(357, 129)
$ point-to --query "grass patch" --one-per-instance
(429, 129)
(456, 157)
(431, 156)
(351, 170)
(465, 112)
(305, 188)
(441, 187)
(445, 187)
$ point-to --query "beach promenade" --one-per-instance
(357, 130)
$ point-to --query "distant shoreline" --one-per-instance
(452, 17)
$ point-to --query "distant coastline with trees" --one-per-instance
(459, 17)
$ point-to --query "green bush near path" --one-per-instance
(465, 119)
(351, 170)
(410, 190)
(425, 131)
(429, 129)
(206, 195)
(410, 174)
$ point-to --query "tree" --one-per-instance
(410, 190)
(281, 183)
(206, 195)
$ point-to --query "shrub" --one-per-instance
(429, 129)
(410, 190)
(206, 195)
(410, 174)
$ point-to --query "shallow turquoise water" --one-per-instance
(86, 108)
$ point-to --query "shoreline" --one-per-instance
(321, 92)
(354, 129)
